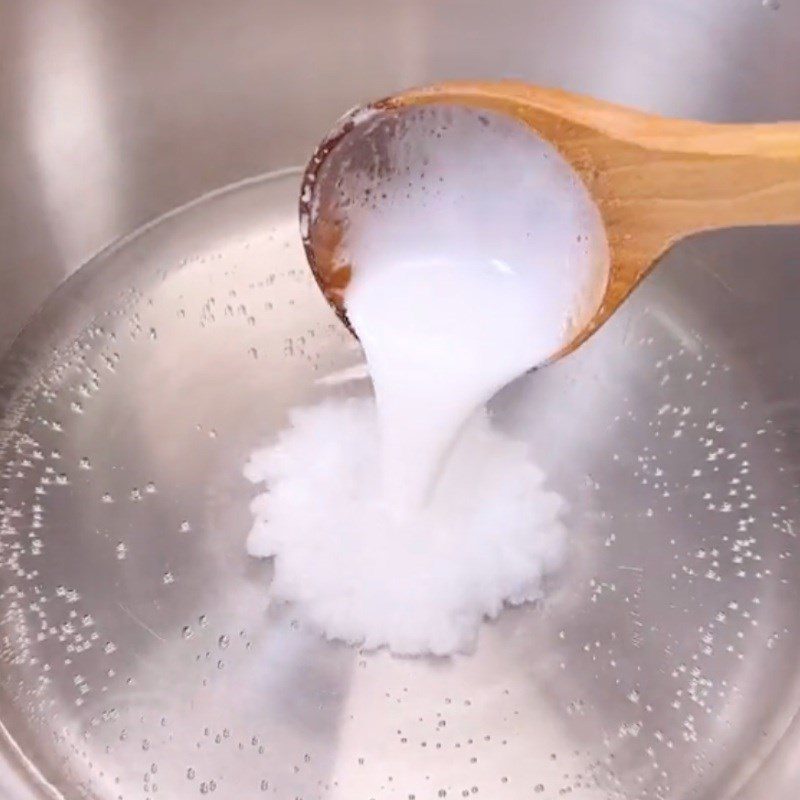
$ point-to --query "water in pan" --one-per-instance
(139, 661)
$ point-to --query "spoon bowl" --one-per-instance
(653, 180)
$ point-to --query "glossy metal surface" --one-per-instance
(137, 656)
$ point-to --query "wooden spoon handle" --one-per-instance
(699, 176)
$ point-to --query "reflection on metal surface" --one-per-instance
(67, 114)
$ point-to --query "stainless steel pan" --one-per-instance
(138, 657)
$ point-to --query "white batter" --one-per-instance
(476, 254)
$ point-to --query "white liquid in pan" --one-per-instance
(477, 253)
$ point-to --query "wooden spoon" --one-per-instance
(655, 180)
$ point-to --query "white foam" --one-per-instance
(476, 253)
(422, 584)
